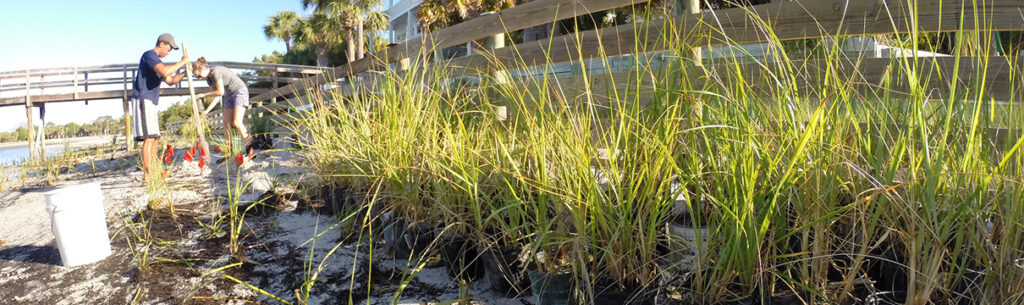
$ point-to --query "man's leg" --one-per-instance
(148, 152)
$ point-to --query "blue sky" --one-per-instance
(64, 33)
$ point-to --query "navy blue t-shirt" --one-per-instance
(147, 81)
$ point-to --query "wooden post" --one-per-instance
(28, 114)
(125, 80)
(693, 7)
(42, 131)
(196, 118)
(500, 77)
(74, 77)
(276, 85)
(403, 64)
(129, 141)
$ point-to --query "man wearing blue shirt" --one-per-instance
(146, 95)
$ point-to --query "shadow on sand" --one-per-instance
(32, 254)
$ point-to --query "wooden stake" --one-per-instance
(28, 113)
(196, 117)
(129, 142)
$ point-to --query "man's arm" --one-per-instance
(171, 80)
(165, 71)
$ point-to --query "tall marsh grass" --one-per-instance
(808, 190)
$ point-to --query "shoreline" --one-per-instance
(78, 141)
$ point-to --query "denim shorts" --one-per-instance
(238, 99)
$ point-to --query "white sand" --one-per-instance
(286, 245)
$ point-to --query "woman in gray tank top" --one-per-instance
(233, 91)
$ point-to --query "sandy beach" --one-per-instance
(188, 259)
(75, 142)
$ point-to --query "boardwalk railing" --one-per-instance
(38, 87)
(789, 20)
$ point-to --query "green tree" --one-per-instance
(356, 17)
(282, 26)
(320, 33)
(177, 112)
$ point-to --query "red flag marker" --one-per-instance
(167, 158)
(217, 149)
(188, 156)
(239, 160)
(200, 163)
(202, 153)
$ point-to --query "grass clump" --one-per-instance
(807, 182)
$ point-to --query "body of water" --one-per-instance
(14, 155)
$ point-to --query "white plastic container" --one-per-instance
(79, 223)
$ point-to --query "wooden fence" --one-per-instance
(789, 20)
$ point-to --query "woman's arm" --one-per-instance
(218, 91)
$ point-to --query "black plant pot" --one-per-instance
(463, 258)
(551, 289)
(413, 241)
(505, 272)
(888, 271)
(632, 296)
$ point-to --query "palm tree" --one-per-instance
(353, 16)
(347, 17)
(319, 32)
(434, 14)
(282, 26)
(374, 21)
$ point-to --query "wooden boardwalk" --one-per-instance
(108, 83)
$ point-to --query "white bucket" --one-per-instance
(79, 223)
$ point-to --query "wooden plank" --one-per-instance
(98, 95)
(66, 84)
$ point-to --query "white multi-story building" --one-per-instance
(402, 19)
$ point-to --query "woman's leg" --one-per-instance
(228, 117)
(239, 123)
